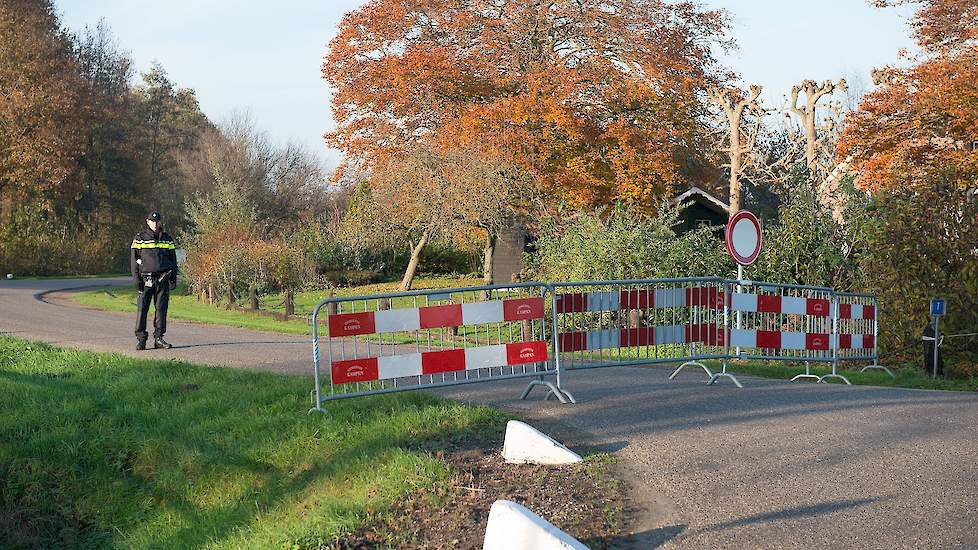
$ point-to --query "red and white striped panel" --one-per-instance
(857, 341)
(635, 337)
(857, 311)
(640, 299)
(433, 362)
(451, 315)
(775, 339)
(763, 303)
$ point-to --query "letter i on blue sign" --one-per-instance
(937, 307)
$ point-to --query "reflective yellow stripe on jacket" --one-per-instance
(153, 244)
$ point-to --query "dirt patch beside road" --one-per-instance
(586, 500)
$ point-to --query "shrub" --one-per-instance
(624, 243)
(922, 244)
(804, 245)
(34, 241)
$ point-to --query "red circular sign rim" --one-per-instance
(729, 237)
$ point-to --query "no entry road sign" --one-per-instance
(743, 237)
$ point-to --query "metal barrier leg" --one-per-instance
(716, 376)
(808, 373)
(834, 374)
(691, 364)
(878, 367)
(316, 407)
(561, 396)
(823, 379)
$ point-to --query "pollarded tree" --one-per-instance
(598, 99)
(739, 140)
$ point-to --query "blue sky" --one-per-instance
(265, 57)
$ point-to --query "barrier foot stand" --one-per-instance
(823, 379)
(808, 373)
(716, 376)
(316, 407)
(878, 367)
(562, 396)
(691, 364)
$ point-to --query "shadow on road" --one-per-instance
(653, 538)
(821, 509)
(210, 344)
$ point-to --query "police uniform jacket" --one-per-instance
(152, 253)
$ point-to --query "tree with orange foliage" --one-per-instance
(920, 122)
(600, 100)
(42, 109)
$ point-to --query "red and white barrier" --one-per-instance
(580, 302)
(368, 369)
(857, 341)
(429, 317)
(554, 327)
(763, 303)
(780, 340)
(857, 311)
(637, 337)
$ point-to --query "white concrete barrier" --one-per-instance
(525, 444)
(514, 527)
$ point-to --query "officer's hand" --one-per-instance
(173, 282)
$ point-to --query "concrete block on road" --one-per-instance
(525, 444)
(514, 527)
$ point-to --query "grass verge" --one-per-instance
(100, 450)
(187, 308)
(905, 377)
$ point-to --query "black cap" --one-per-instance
(155, 216)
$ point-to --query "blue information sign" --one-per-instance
(937, 307)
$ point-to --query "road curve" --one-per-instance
(40, 309)
(772, 465)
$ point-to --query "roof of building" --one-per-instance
(702, 197)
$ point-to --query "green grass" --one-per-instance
(100, 451)
(905, 377)
(187, 308)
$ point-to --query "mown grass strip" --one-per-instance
(187, 308)
(100, 450)
(907, 377)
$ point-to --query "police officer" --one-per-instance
(153, 262)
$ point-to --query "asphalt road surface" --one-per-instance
(772, 465)
(43, 310)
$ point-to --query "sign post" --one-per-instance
(938, 308)
(744, 239)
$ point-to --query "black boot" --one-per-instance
(140, 344)
(160, 343)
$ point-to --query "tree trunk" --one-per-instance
(289, 303)
(331, 307)
(811, 144)
(412, 266)
(735, 165)
(253, 297)
(487, 257)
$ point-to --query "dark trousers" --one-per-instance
(160, 294)
(929, 358)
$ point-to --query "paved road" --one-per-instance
(773, 465)
(776, 464)
(42, 310)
